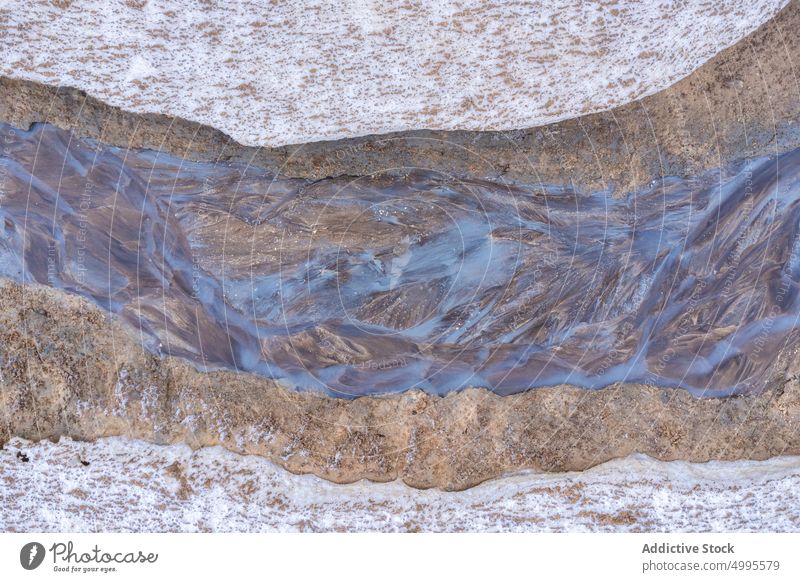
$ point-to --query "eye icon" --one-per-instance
(31, 555)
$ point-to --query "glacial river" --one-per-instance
(415, 279)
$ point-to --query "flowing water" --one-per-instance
(416, 279)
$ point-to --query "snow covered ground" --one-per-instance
(272, 73)
(117, 484)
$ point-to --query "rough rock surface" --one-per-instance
(743, 102)
(70, 370)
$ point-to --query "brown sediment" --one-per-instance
(744, 102)
(68, 369)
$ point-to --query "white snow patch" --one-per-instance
(130, 485)
(139, 69)
(273, 73)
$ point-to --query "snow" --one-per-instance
(131, 485)
(274, 73)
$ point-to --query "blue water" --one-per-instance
(399, 281)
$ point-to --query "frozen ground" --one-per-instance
(122, 485)
(272, 73)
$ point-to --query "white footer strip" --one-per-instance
(354, 557)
